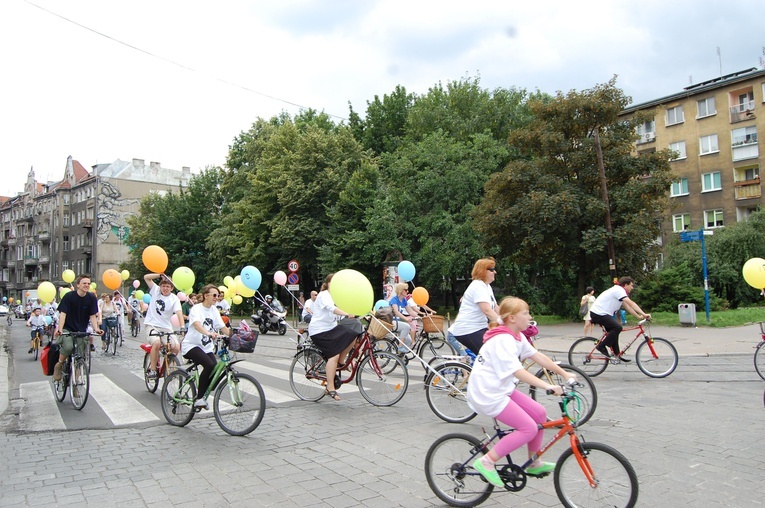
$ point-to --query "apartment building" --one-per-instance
(712, 128)
(78, 223)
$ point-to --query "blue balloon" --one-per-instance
(380, 304)
(48, 320)
(251, 277)
(406, 271)
(5, 298)
(146, 298)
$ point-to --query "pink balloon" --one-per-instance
(182, 296)
(174, 321)
(280, 278)
(136, 283)
(144, 306)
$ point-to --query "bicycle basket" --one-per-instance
(243, 342)
(379, 329)
(433, 324)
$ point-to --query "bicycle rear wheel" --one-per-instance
(36, 347)
(450, 474)
(134, 327)
(114, 339)
(759, 360)
(616, 483)
(239, 404)
(449, 402)
(433, 347)
(178, 394)
(656, 357)
(308, 375)
(79, 381)
(584, 356)
(585, 387)
(378, 387)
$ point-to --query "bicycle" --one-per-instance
(9, 318)
(110, 338)
(586, 474)
(428, 345)
(167, 361)
(135, 324)
(759, 355)
(37, 342)
(382, 376)
(655, 357)
(239, 402)
(76, 372)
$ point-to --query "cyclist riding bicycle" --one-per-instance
(164, 304)
(198, 344)
(37, 323)
(603, 310)
(77, 309)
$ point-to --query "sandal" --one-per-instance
(332, 393)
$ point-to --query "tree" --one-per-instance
(180, 224)
(545, 211)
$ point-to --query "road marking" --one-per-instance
(119, 406)
(41, 410)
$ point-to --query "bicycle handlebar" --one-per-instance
(77, 335)
(159, 333)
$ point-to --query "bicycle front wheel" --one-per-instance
(60, 387)
(584, 356)
(378, 387)
(450, 474)
(656, 357)
(614, 482)
(579, 410)
(115, 339)
(433, 347)
(759, 360)
(178, 394)
(446, 392)
(150, 382)
(79, 382)
(239, 404)
(36, 348)
(308, 375)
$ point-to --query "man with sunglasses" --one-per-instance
(163, 305)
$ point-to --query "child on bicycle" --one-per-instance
(37, 322)
(492, 389)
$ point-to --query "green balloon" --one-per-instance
(352, 292)
(183, 277)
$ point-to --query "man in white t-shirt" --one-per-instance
(308, 307)
(163, 305)
(603, 310)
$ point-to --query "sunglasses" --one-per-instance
(492, 269)
(214, 295)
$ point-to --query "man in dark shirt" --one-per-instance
(76, 310)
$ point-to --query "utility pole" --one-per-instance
(604, 191)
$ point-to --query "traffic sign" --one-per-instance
(293, 266)
(293, 278)
(293, 287)
(690, 236)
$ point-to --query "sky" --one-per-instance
(176, 82)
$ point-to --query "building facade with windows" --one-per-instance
(78, 223)
(712, 129)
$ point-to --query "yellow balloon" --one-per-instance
(138, 294)
(754, 273)
(246, 292)
(46, 291)
(125, 274)
(352, 292)
(68, 275)
(228, 280)
(237, 299)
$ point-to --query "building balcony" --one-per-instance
(44, 259)
(87, 223)
(88, 251)
(748, 189)
(742, 112)
(31, 260)
(44, 236)
(26, 218)
(11, 241)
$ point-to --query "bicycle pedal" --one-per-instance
(540, 475)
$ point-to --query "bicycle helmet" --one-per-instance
(269, 297)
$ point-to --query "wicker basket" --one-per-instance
(433, 324)
(379, 329)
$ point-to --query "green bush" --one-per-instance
(665, 289)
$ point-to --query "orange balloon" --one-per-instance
(420, 296)
(112, 279)
(155, 258)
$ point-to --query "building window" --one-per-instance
(66, 244)
(713, 218)
(708, 144)
(679, 188)
(681, 222)
(646, 132)
(678, 147)
(706, 107)
(710, 182)
(744, 143)
(675, 115)
(66, 220)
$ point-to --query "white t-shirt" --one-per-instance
(223, 306)
(609, 301)
(324, 318)
(307, 308)
(210, 320)
(161, 309)
(492, 379)
(470, 317)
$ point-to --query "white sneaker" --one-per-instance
(201, 404)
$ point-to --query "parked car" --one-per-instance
(3, 310)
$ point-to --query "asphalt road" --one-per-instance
(694, 438)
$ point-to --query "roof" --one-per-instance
(700, 88)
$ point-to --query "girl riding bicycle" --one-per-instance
(492, 388)
(198, 344)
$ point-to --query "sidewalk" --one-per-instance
(689, 341)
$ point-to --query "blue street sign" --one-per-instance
(698, 236)
(691, 236)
